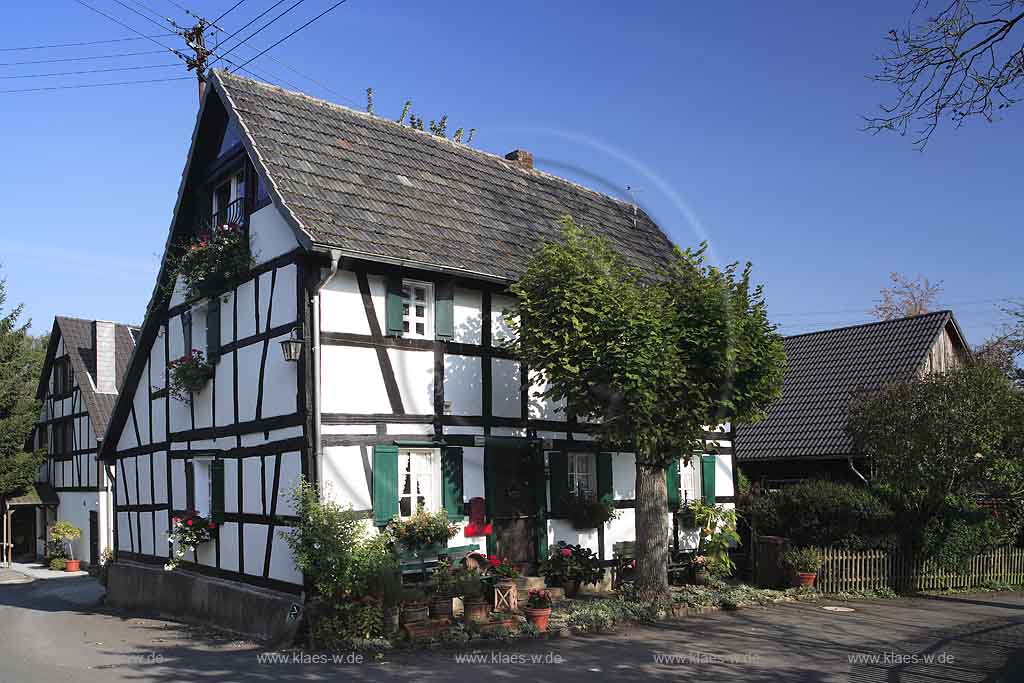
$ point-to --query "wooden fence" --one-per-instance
(846, 570)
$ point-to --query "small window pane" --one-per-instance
(419, 311)
(419, 328)
(405, 309)
(405, 325)
(421, 294)
(404, 506)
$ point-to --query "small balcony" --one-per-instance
(232, 214)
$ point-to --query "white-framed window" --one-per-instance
(583, 474)
(419, 480)
(689, 478)
(417, 309)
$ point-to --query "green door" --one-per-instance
(514, 498)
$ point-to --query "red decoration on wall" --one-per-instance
(478, 525)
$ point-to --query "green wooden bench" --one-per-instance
(624, 554)
(419, 563)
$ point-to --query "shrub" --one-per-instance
(957, 533)
(64, 533)
(803, 560)
(58, 564)
(348, 622)
(334, 548)
(571, 563)
(212, 260)
(822, 513)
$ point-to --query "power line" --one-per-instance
(337, 4)
(247, 25)
(82, 59)
(131, 28)
(90, 71)
(261, 28)
(88, 42)
(135, 11)
(95, 85)
(227, 11)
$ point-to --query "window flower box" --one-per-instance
(189, 374)
(211, 261)
(186, 533)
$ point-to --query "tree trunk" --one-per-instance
(652, 534)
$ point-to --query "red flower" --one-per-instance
(488, 528)
(211, 525)
(175, 520)
(566, 552)
(189, 522)
(493, 560)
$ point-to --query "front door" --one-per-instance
(94, 538)
(514, 483)
(24, 533)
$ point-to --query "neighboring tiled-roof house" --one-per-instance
(86, 362)
(804, 433)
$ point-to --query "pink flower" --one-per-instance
(566, 552)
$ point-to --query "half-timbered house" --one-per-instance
(86, 361)
(384, 254)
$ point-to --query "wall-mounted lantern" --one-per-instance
(292, 347)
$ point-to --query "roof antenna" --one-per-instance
(632, 200)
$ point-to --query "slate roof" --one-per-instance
(376, 189)
(824, 371)
(78, 341)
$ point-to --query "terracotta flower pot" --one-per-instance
(414, 612)
(476, 609)
(73, 566)
(806, 579)
(441, 607)
(538, 616)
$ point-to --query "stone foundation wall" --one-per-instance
(258, 613)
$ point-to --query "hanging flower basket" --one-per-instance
(186, 534)
(586, 512)
(208, 263)
(189, 374)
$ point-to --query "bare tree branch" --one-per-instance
(966, 61)
(906, 297)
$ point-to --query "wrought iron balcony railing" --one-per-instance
(232, 214)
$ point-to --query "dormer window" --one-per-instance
(228, 199)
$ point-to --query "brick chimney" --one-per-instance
(103, 341)
(521, 158)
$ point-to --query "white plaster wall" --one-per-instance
(472, 472)
(463, 384)
(246, 302)
(351, 381)
(543, 408)
(269, 235)
(282, 563)
(500, 303)
(74, 507)
(228, 535)
(467, 316)
(291, 475)
(414, 373)
(255, 549)
(347, 472)
(723, 476)
(505, 388)
(408, 428)
(341, 305)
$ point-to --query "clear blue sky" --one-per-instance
(738, 124)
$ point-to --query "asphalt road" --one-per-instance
(56, 631)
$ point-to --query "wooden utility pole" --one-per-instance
(194, 38)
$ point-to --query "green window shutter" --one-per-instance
(558, 464)
(707, 478)
(444, 310)
(604, 475)
(385, 484)
(217, 491)
(451, 472)
(393, 307)
(213, 330)
(672, 483)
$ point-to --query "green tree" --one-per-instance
(21, 358)
(651, 359)
(938, 441)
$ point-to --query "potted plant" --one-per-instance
(64, 533)
(470, 586)
(538, 608)
(717, 526)
(423, 530)
(210, 261)
(701, 576)
(186, 533)
(443, 586)
(804, 562)
(588, 512)
(414, 606)
(504, 575)
(570, 566)
(188, 374)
